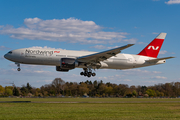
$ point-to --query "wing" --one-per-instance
(97, 57)
(158, 59)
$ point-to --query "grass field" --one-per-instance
(91, 108)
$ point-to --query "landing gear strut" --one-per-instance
(18, 65)
(87, 72)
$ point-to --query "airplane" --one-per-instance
(66, 60)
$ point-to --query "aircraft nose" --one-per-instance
(6, 56)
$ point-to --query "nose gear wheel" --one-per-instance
(18, 65)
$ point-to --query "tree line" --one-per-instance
(60, 88)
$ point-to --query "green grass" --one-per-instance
(91, 109)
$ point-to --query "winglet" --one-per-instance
(153, 48)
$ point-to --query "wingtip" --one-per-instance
(131, 44)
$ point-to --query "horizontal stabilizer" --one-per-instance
(158, 59)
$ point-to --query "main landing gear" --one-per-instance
(18, 65)
(87, 72)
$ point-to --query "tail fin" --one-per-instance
(152, 50)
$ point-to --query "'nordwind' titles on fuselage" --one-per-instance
(38, 52)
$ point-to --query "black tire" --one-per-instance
(90, 73)
(85, 74)
(19, 69)
(82, 73)
(93, 74)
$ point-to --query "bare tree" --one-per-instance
(59, 85)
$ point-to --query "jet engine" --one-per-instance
(67, 64)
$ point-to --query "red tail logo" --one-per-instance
(56, 51)
(153, 47)
(152, 50)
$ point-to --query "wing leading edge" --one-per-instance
(97, 57)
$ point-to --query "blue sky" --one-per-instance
(92, 26)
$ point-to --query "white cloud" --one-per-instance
(127, 80)
(173, 2)
(132, 41)
(152, 82)
(142, 43)
(45, 47)
(99, 47)
(4, 48)
(1, 58)
(155, 33)
(159, 77)
(44, 81)
(70, 30)
(29, 70)
(139, 72)
(112, 77)
(156, 72)
(103, 47)
(163, 52)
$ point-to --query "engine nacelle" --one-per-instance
(67, 64)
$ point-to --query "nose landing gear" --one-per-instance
(87, 72)
(18, 65)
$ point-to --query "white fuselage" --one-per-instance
(53, 57)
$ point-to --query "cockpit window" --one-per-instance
(10, 52)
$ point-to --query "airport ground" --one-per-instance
(90, 108)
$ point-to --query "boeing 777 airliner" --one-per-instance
(66, 60)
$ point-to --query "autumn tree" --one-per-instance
(8, 91)
(134, 93)
(2, 90)
(151, 93)
(83, 89)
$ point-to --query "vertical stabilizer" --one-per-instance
(152, 50)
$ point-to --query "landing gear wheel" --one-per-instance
(18, 65)
(19, 69)
(90, 73)
(82, 73)
(93, 74)
(87, 72)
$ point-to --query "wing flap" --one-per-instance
(102, 55)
